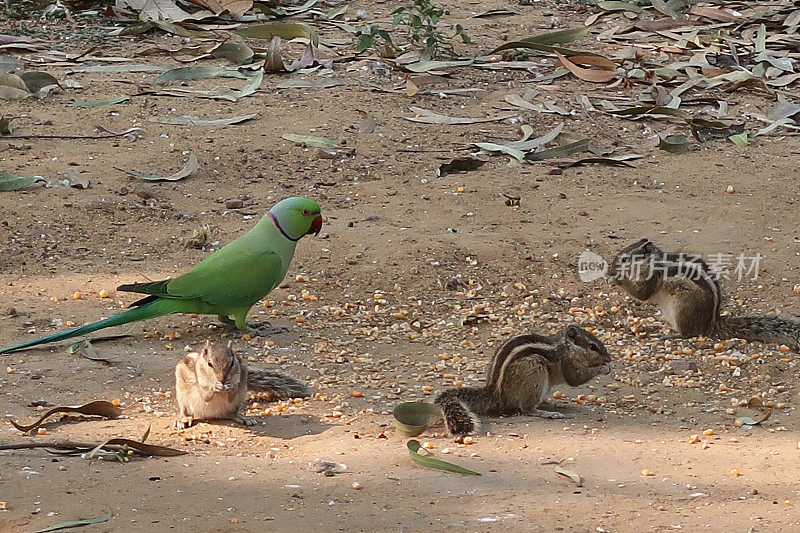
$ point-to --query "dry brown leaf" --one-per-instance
(235, 8)
(98, 408)
(585, 74)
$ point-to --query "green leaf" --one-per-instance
(236, 52)
(310, 140)
(76, 523)
(10, 182)
(36, 81)
(99, 103)
(739, 139)
(558, 37)
(197, 73)
(559, 151)
(191, 120)
(430, 462)
(674, 144)
(619, 6)
(284, 30)
(365, 42)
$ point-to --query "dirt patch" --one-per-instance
(394, 228)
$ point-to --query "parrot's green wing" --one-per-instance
(228, 279)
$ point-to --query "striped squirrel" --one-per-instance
(520, 376)
(213, 383)
(688, 294)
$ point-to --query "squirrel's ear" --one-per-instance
(572, 331)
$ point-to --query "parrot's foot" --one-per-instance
(245, 420)
(183, 423)
(262, 329)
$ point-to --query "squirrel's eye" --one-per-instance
(305, 212)
(593, 347)
(209, 364)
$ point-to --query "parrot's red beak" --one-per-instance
(316, 225)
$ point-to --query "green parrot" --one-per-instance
(227, 283)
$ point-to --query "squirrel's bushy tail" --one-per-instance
(278, 386)
(461, 407)
(762, 328)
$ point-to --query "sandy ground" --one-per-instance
(393, 228)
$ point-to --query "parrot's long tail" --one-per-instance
(151, 309)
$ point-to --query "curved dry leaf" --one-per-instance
(12, 87)
(96, 408)
(36, 81)
(190, 166)
(273, 62)
(585, 74)
(574, 476)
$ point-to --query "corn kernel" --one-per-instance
(41, 431)
(77, 296)
(357, 394)
(428, 445)
(468, 440)
(103, 294)
(356, 485)
(708, 432)
(115, 402)
(646, 472)
(694, 438)
(300, 320)
(735, 472)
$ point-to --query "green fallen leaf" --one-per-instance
(310, 140)
(197, 73)
(239, 53)
(430, 462)
(10, 182)
(35, 81)
(5, 125)
(674, 144)
(100, 103)
(76, 523)
(559, 151)
(739, 139)
(284, 30)
(191, 120)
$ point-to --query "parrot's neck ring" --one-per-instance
(277, 225)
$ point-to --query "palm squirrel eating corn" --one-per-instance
(213, 383)
(520, 376)
(688, 294)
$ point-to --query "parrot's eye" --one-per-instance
(305, 212)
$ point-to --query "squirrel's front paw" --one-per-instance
(607, 368)
(219, 386)
(183, 423)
